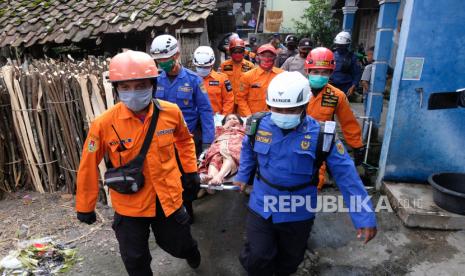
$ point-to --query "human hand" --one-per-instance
(241, 185)
(351, 90)
(369, 233)
(88, 218)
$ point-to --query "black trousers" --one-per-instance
(172, 234)
(274, 249)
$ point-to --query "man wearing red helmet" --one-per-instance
(328, 101)
(253, 84)
(145, 184)
(236, 66)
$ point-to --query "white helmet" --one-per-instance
(288, 89)
(203, 56)
(343, 38)
(164, 46)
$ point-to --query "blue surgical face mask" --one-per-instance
(318, 81)
(136, 100)
(203, 71)
(285, 121)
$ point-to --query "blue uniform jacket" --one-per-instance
(344, 80)
(188, 92)
(288, 161)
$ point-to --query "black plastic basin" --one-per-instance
(449, 191)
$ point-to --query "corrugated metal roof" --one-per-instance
(25, 23)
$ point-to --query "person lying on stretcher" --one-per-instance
(222, 158)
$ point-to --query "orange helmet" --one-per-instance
(236, 43)
(320, 58)
(132, 65)
(267, 48)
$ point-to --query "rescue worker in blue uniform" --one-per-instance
(347, 73)
(282, 156)
(182, 86)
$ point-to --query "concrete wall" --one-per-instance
(419, 142)
(291, 10)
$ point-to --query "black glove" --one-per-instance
(205, 146)
(359, 155)
(191, 185)
(88, 218)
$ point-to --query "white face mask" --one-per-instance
(136, 100)
(203, 71)
(285, 121)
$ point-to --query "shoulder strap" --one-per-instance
(326, 138)
(150, 132)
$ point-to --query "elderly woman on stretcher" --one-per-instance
(222, 158)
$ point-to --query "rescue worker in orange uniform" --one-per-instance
(253, 84)
(218, 87)
(236, 66)
(328, 101)
(119, 133)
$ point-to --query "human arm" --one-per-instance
(87, 186)
(205, 111)
(247, 165)
(355, 196)
(185, 145)
(242, 94)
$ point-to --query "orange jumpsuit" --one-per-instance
(219, 92)
(235, 71)
(162, 176)
(252, 92)
(329, 102)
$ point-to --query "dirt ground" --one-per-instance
(219, 230)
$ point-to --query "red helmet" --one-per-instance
(236, 43)
(267, 48)
(320, 58)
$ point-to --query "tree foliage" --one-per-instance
(317, 23)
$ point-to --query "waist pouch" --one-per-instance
(129, 179)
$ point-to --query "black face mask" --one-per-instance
(291, 47)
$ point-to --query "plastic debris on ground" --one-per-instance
(38, 257)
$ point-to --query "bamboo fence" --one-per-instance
(46, 108)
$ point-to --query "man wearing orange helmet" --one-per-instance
(139, 136)
(236, 66)
(253, 84)
(328, 101)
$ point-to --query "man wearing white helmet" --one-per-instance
(217, 84)
(347, 74)
(283, 150)
(180, 85)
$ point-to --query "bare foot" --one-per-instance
(216, 180)
(205, 178)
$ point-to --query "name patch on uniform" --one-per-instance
(185, 89)
(116, 142)
(308, 136)
(263, 133)
(263, 139)
(228, 85)
(165, 131)
(214, 83)
(255, 85)
(228, 68)
(245, 68)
